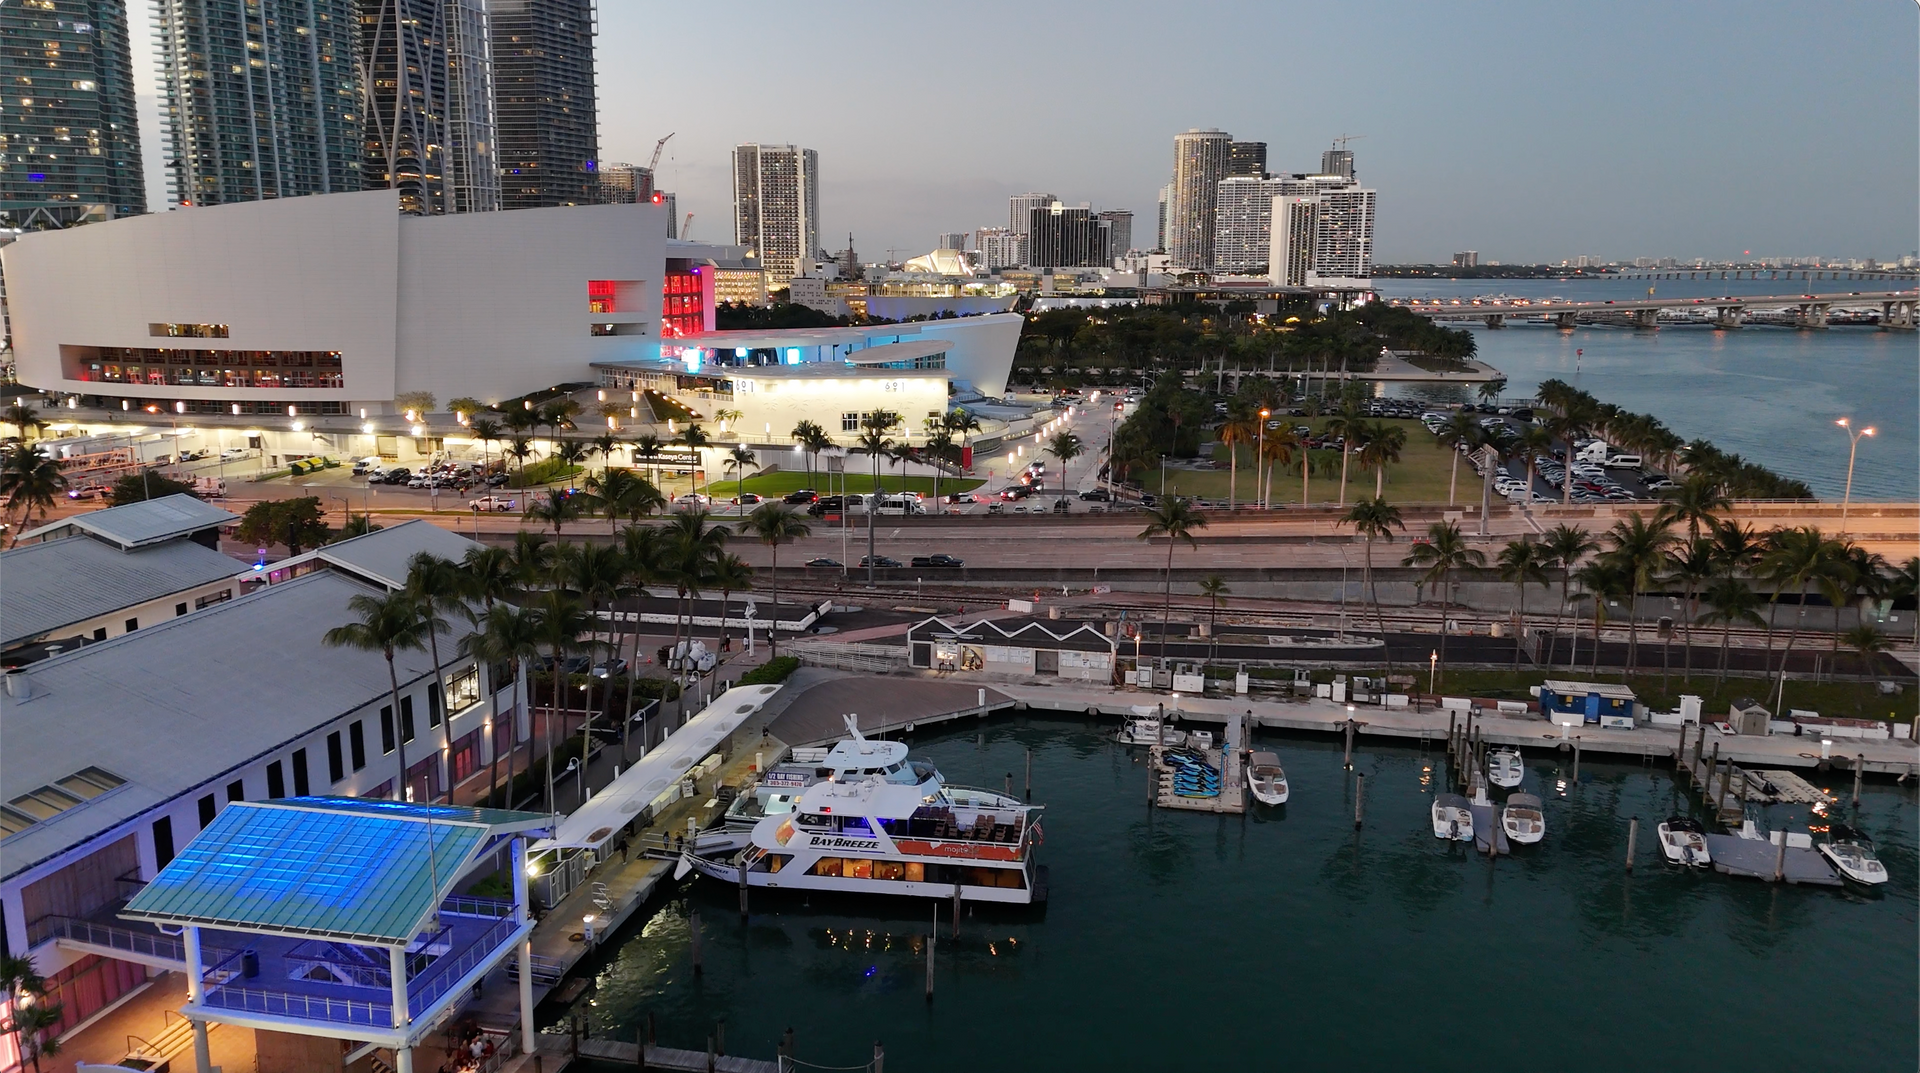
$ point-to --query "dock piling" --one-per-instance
(1576, 759)
(713, 1059)
(1346, 759)
(743, 893)
(1009, 784)
(932, 937)
(1359, 798)
(1780, 856)
(720, 1038)
(956, 909)
(1859, 769)
(1633, 835)
(1029, 794)
(693, 933)
(652, 1037)
(879, 1058)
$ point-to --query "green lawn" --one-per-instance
(1419, 477)
(1845, 700)
(783, 481)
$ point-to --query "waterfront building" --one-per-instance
(1343, 239)
(262, 104)
(1243, 224)
(1001, 247)
(1295, 223)
(625, 184)
(1025, 647)
(1337, 162)
(776, 205)
(1062, 236)
(70, 138)
(1199, 163)
(1247, 160)
(1467, 259)
(549, 135)
(1118, 224)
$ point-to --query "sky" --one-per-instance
(1526, 131)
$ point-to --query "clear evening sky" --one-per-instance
(1524, 130)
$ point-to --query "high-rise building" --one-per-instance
(429, 114)
(952, 240)
(1243, 224)
(1467, 259)
(1160, 228)
(667, 198)
(1199, 163)
(1020, 209)
(1064, 236)
(68, 136)
(1119, 224)
(1296, 221)
(625, 184)
(1343, 242)
(544, 98)
(776, 206)
(261, 103)
(1001, 247)
(1247, 160)
(1337, 162)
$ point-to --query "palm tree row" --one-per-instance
(1576, 413)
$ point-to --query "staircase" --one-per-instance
(175, 1036)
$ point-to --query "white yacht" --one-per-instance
(1523, 820)
(1851, 854)
(873, 836)
(856, 757)
(1504, 768)
(1266, 779)
(1452, 818)
(1684, 841)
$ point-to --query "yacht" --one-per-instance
(1504, 768)
(858, 756)
(1851, 854)
(1452, 818)
(1523, 820)
(1684, 841)
(1266, 779)
(868, 835)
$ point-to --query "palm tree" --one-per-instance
(689, 547)
(22, 417)
(1564, 546)
(622, 493)
(1460, 431)
(32, 1021)
(1904, 585)
(726, 417)
(1492, 452)
(775, 523)
(1868, 641)
(1797, 558)
(1347, 424)
(1276, 449)
(695, 438)
(487, 431)
(387, 624)
(606, 443)
(738, 460)
(1573, 420)
(1239, 430)
(1066, 447)
(1444, 552)
(554, 509)
(939, 448)
(647, 446)
(1522, 563)
(1213, 586)
(1382, 447)
(572, 454)
(530, 559)
(1638, 551)
(1533, 444)
(641, 550)
(29, 482)
(874, 442)
(1692, 564)
(1603, 581)
(1734, 603)
(520, 448)
(1375, 519)
(508, 636)
(812, 440)
(596, 574)
(1694, 501)
(730, 574)
(1489, 390)
(439, 588)
(561, 620)
(1176, 520)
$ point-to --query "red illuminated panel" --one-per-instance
(683, 310)
(600, 296)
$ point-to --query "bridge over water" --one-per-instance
(1896, 309)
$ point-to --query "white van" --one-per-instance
(900, 506)
(1623, 462)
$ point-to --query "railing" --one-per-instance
(445, 973)
(465, 905)
(546, 971)
(304, 1007)
(73, 929)
(850, 657)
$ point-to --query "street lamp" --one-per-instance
(1433, 667)
(1852, 449)
(1259, 461)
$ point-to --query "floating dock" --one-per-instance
(1489, 836)
(1760, 859)
(1232, 797)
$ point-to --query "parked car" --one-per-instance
(747, 499)
(1097, 495)
(609, 668)
(879, 562)
(941, 559)
(802, 498)
(232, 453)
(693, 500)
(824, 563)
(497, 504)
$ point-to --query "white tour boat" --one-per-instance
(1851, 854)
(1452, 818)
(877, 837)
(1266, 779)
(1684, 841)
(1523, 820)
(1504, 768)
(775, 791)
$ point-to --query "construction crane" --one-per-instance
(686, 229)
(1338, 143)
(653, 166)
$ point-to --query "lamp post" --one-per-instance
(1260, 460)
(1433, 669)
(1853, 448)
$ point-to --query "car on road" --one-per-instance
(941, 559)
(497, 504)
(693, 500)
(824, 563)
(232, 453)
(1097, 495)
(747, 499)
(802, 497)
(609, 668)
(880, 562)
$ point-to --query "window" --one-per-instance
(357, 736)
(299, 773)
(206, 811)
(179, 609)
(237, 790)
(203, 602)
(100, 634)
(463, 688)
(276, 780)
(434, 712)
(162, 841)
(849, 422)
(133, 624)
(386, 729)
(336, 764)
(406, 720)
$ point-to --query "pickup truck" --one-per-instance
(497, 504)
(940, 560)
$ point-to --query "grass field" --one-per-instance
(1419, 477)
(784, 481)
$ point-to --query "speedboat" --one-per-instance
(1523, 820)
(1683, 841)
(877, 837)
(1266, 779)
(1149, 726)
(1452, 818)
(1851, 854)
(1504, 768)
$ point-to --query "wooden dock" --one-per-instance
(1761, 859)
(1233, 781)
(658, 1057)
(1789, 786)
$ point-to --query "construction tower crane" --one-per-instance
(1338, 143)
(653, 166)
(686, 229)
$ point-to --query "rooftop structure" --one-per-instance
(133, 525)
(82, 587)
(378, 558)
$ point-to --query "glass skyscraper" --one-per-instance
(544, 102)
(67, 129)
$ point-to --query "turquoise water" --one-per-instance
(1770, 395)
(1288, 940)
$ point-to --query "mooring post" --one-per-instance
(1346, 759)
(573, 1037)
(693, 933)
(1726, 780)
(639, 1050)
(1452, 716)
(1359, 797)
(956, 909)
(1009, 784)
(1576, 759)
(743, 892)
(1780, 857)
(1029, 794)
(713, 1059)
(1633, 835)
(786, 1042)
(1859, 769)
(879, 1058)
(720, 1038)
(932, 937)
(651, 1036)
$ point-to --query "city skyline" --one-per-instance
(1469, 165)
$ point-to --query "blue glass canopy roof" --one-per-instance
(339, 868)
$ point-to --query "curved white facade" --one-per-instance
(333, 303)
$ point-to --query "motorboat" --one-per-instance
(1452, 818)
(1683, 841)
(1266, 779)
(775, 791)
(1851, 854)
(1149, 726)
(872, 836)
(1523, 820)
(1504, 768)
